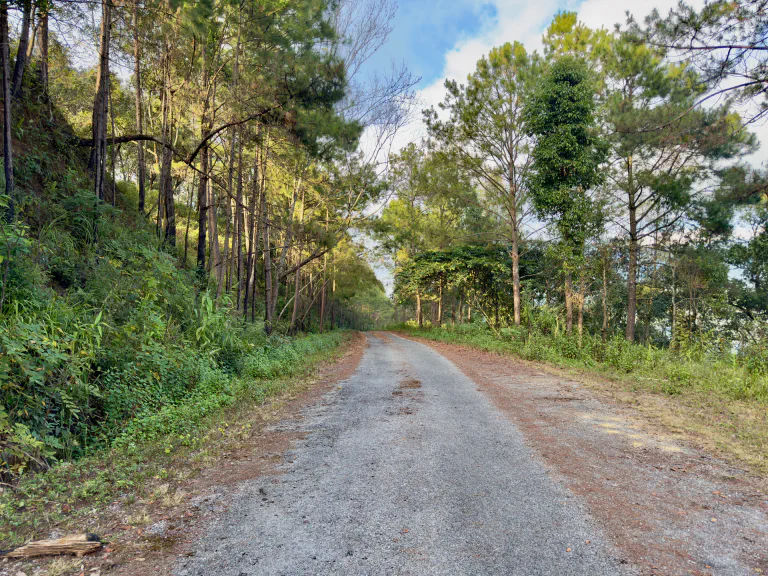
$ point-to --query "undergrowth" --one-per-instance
(106, 338)
(158, 445)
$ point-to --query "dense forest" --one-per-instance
(182, 185)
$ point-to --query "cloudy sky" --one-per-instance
(444, 39)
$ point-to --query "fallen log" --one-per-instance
(77, 544)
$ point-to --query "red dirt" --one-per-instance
(669, 508)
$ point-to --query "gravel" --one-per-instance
(406, 468)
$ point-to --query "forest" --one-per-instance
(183, 183)
(601, 203)
(194, 193)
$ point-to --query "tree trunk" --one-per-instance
(233, 137)
(170, 206)
(97, 162)
(296, 295)
(43, 40)
(224, 278)
(580, 300)
(166, 177)
(515, 252)
(21, 54)
(268, 295)
(605, 297)
(202, 211)
(333, 291)
(254, 225)
(286, 243)
(10, 214)
(112, 149)
(633, 250)
(160, 202)
(239, 222)
(322, 295)
(140, 168)
(324, 288)
(33, 30)
(214, 253)
(419, 317)
(674, 298)
(202, 191)
(694, 311)
(516, 279)
(632, 289)
(263, 188)
(297, 277)
(190, 193)
(242, 287)
(164, 138)
(440, 303)
(568, 303)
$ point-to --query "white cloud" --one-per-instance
(525, 21)
(519, 20)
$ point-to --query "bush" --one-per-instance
(621, 355)
(108, 340)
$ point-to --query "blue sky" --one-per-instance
(425, 31)
(441, 39)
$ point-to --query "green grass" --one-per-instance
(718, 399)
(158, 445)
(656, 369)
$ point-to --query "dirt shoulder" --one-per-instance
(673, 508)
(147, 536)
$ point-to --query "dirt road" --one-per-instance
(442, 460)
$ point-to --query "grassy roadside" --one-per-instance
(162, 448)
(698, 399)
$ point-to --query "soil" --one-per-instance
(672, 508)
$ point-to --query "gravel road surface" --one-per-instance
(406, 468)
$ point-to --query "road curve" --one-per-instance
(406, 468)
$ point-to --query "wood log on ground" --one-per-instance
(77, 544)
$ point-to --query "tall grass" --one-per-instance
(694, 366)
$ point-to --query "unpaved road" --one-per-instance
(419, 465)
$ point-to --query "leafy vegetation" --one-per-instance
(161, 445)
(114, 361)
(173, 241)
